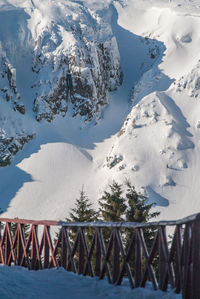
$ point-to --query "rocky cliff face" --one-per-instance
(77, 62)
(74, 63)
(13, 135)
(8, 88)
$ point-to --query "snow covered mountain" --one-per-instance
(92, 91)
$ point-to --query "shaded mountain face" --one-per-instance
(60, 56)
(77, 62)
(13, 134)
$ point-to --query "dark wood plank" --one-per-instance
(115, 257)
(98, 258)
(185, 262)
(138, 263)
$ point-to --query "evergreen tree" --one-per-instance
(112, 204)
(138, 210)
(112, 207)
(83, 211)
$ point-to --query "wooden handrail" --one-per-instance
(102, 223)
(27, 221)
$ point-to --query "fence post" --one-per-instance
(138, 262)
(115, 259)
(63, 249)
(46, 247)
(7, 243)
(81, 253)
(195, 275)
(98, 255)
(20, 228)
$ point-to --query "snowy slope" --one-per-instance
(160, 136)
(58, 283)
(149, 131)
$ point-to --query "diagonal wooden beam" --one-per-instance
(12, 246)
(71, 252)
(105, 254)
(26, 257)
(9, 246)
(125, 256)
(55, 250)
(46, 247)
(88, 254)
(152, 255)
(168, 270)
(52, 258)
(146, 256)
(35, 252)
(175, 257)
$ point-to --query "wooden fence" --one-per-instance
(167, 253)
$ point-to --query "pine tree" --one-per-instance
(138, 210)
(112, 207)
(112, 204)
(83, 211)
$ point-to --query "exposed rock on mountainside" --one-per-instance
(77, 62)
(9, 146)
(8, 88)
(12, 134)
(74, 62)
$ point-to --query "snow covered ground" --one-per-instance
(20, 283)
(151, 123)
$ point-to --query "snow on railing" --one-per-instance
(166, 252)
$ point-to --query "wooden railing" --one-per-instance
(167, 253)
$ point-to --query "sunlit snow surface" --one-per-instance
(152, 122)
(20, 283)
